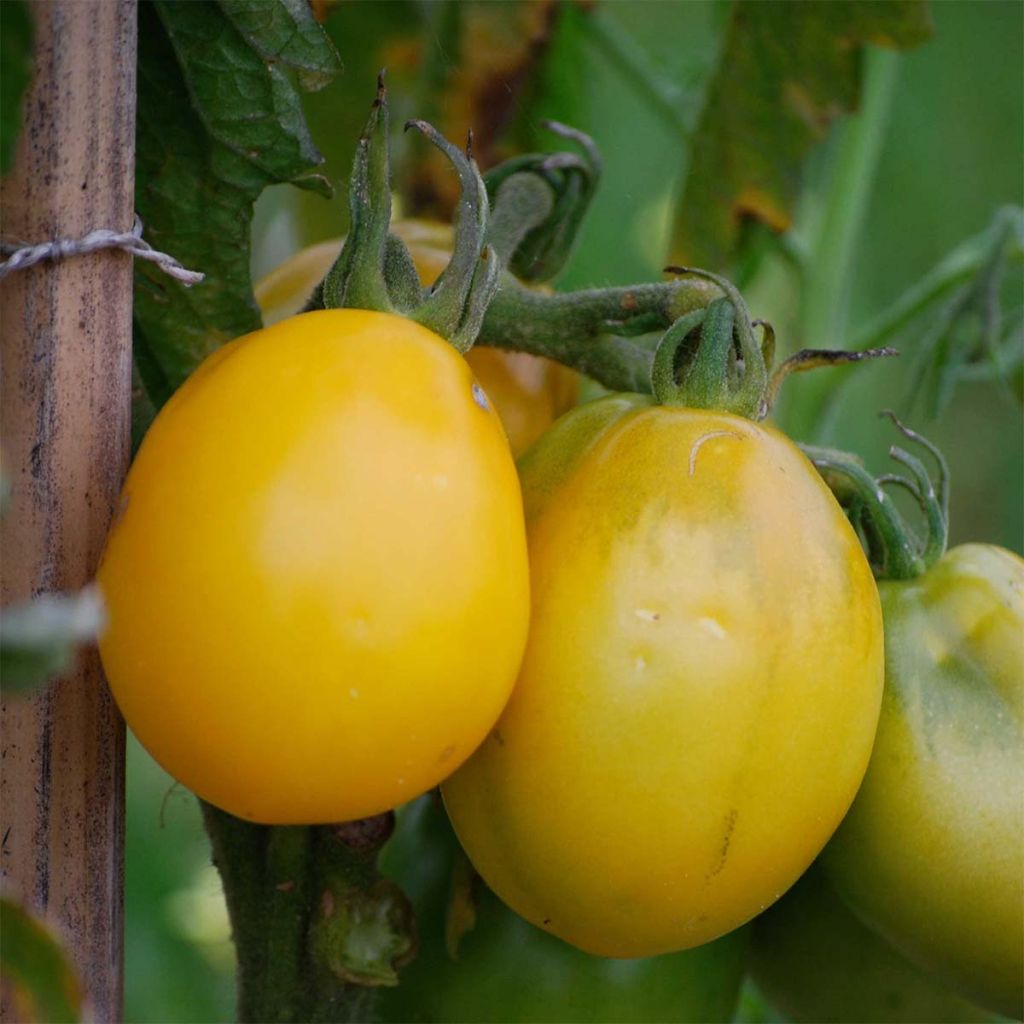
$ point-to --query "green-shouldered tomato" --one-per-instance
(932, 851)
(700, 688)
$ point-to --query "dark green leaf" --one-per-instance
(786, 71)
(36, 977)
(216, 125)
(15, 73)
(286, 32)
(38, 640)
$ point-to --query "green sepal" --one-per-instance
(539, 201)
(374, 270)
(893, 548)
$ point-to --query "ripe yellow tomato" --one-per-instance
(528, 392)
(700, 687)
(932, 851)
(318, 585)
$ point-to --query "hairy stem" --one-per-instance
(590, 330)
(275, 879)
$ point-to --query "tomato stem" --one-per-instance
(521, 203)
(315, 926)
(591, 330)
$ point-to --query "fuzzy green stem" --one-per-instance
(287, 899)
(274, 881)
(444, 308)
(588, 330)
(357, 277)
(726, 369)
(239, 853)
(665, 384)
(707, 384)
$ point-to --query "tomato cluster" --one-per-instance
(645, 666)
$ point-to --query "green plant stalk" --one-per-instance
(589, 330)
(826, 288)
(275, 881)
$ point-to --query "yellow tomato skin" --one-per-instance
(528, 392)
(932, 851)
(318, 586)
(700, 688)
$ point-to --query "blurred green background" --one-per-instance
(950, 154)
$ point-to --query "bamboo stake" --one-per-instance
(65, 331)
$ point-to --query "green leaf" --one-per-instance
(15, 73)
(38, 640)
(786, 72)
(38, 983)
(218, 121)
(286, 32)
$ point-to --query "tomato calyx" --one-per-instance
(710, 359)
(894, 549)
(374, 269)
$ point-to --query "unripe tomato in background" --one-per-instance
(700, 689)
(817, 963)
(317, 584)
(503, 969)
(932, 851)
(529, 392)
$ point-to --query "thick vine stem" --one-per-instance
(315, 927)
(590, 330)
(893, 549)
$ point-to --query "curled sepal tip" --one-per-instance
(538, 202)
(932, 497)
(893, 548)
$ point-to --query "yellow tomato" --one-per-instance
(528, 392)
(317, 587)
(700, 687)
